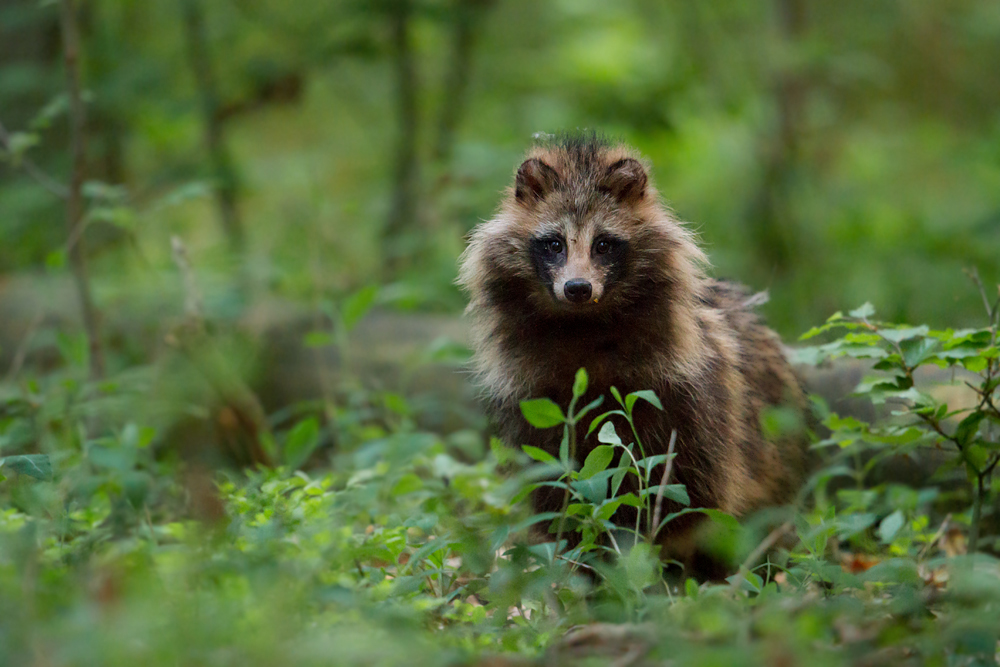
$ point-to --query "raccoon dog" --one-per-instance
(584, 267)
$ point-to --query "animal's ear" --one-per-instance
(625, 180)
(535, 179)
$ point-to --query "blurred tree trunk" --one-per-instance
(76, 241)
(772, 220)
(465, 19)
(402, 218)
(466, 15)
(222, 164)
(105, 56)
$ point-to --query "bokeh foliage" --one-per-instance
(282, 463)
(831, 154)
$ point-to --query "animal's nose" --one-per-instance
(577, 290)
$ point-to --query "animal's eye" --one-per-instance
(555, 246)
(602, 246)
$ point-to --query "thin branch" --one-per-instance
(667, 468)
(74, 200)
(937, 536)
(974, 275)
(575, 563)
(755, 555)
(32, 169)
(193, 309)
(21, 353)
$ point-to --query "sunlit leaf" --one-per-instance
(357, 305)
(542, 413)
(539, 455)
(597, 461)
(608, 434)
(580, 383)
(646, 395)
(864, 312)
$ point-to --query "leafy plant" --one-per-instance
(918, 419)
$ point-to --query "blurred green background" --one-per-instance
(833, 153)
(319, 164)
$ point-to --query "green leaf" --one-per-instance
(504, 454)
(408, 483)
(18, 144)
(601, 417)
(542, 413)
(301, 442)
(903, 333)
(722, 518)
(968, 428)
(890, 526)
(647, 395)
(864, 312)
(617, 395)
(916, 352)
(608, 509)
(587, 408)
(676, 492)
(37, 466)
(597, 461)
(608, 434)
(56, 259)
(533, 519)
(975, 364)
(631, 500)
(618, 478)
(430, 547)
(184, 193)
(647, 464)
(318, 339)
(357, 305)
(580, 383)
(595, 489)
(539, 455)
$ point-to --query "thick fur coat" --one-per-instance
(583, 266)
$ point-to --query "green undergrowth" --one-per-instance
(399, 546)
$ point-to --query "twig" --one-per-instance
(937, 536)
(32, 169)
(574, 562)
(74, 199)
(193, 308)
(974, 275)
(667, 468)
(22, 349)
(762, 548)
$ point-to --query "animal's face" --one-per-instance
(580, 226)
(579, 260)
(581, 233)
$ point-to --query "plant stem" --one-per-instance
(74, 199)
(571, 425)
(668, 466)
(32, 169)
(768, 542)
(977, 512)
